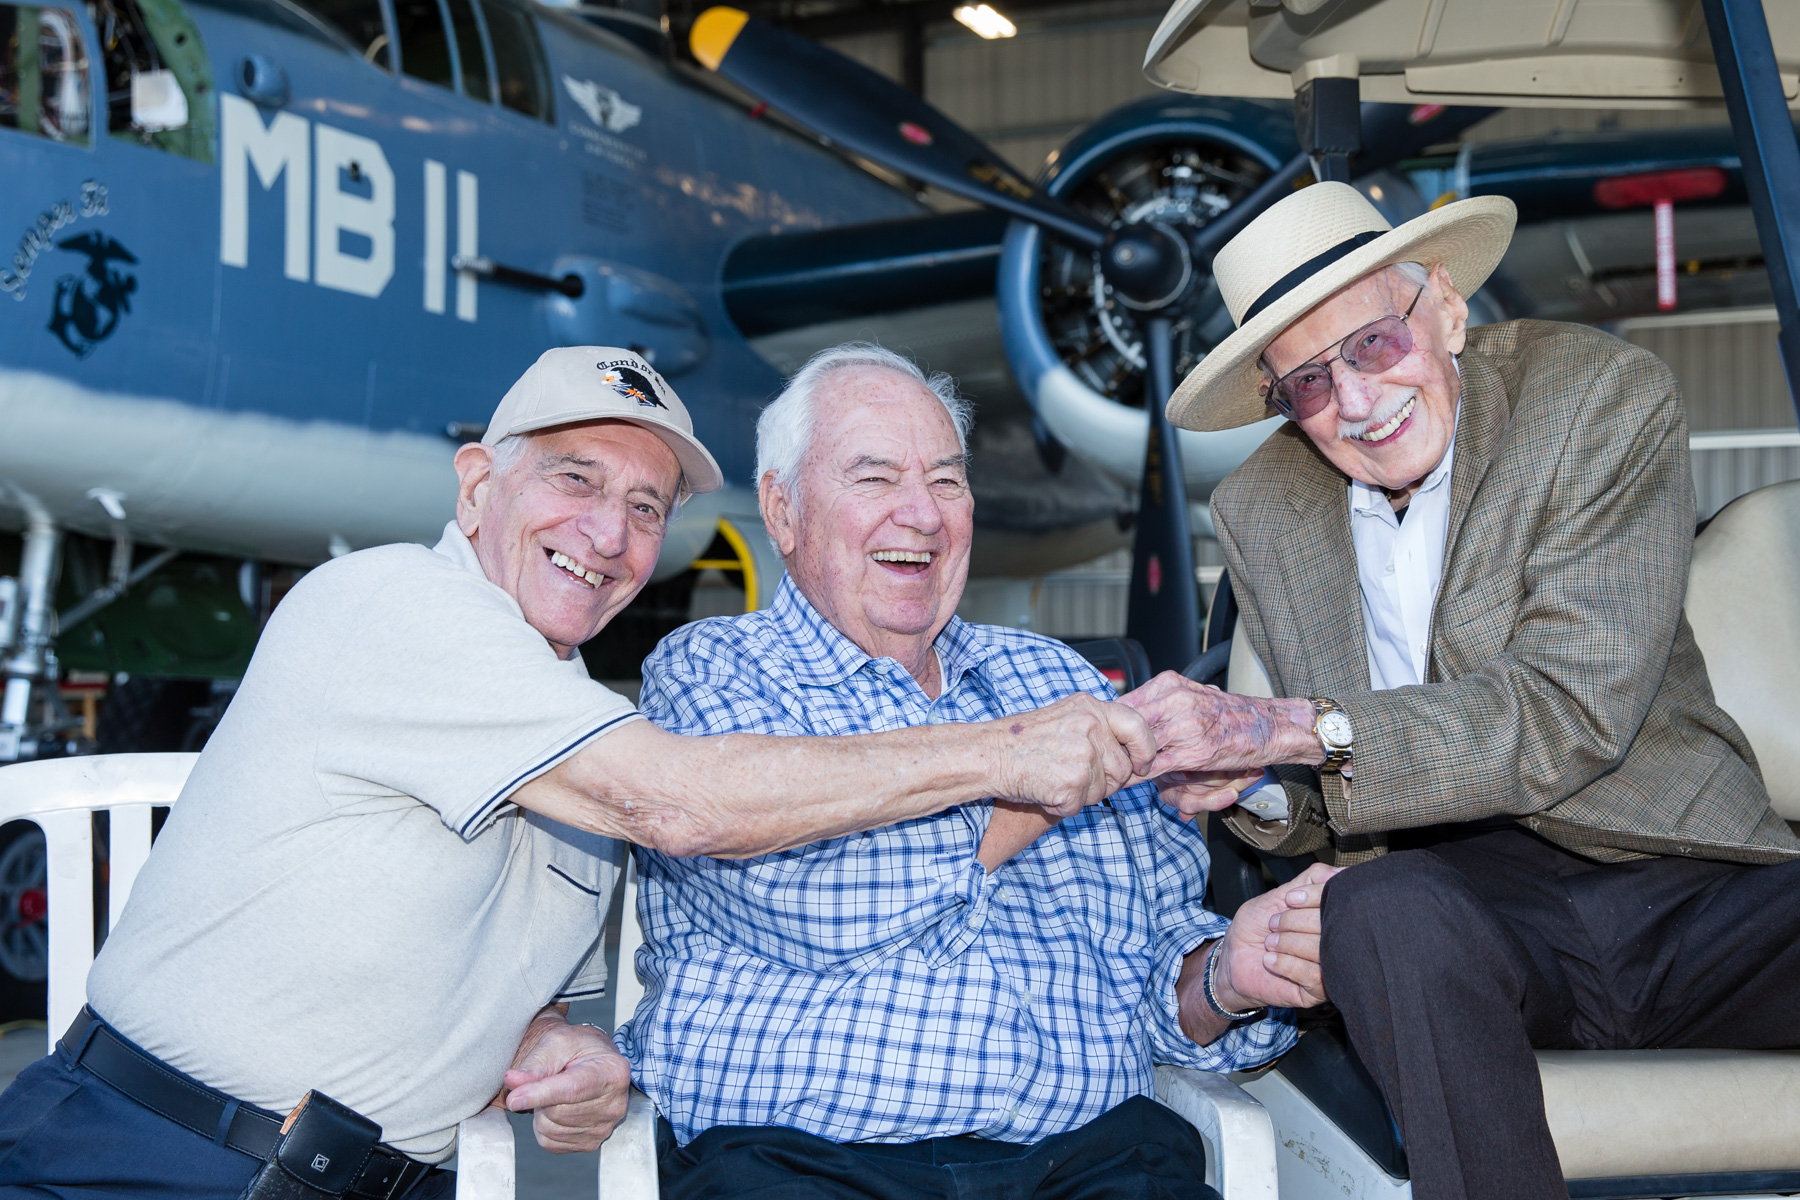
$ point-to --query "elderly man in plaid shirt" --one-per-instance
(965, 1005)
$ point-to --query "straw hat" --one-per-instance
(1302, 251)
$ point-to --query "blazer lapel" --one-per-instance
(1478, 432)
(1318, 565)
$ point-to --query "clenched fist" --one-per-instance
(1073, 753)
(574, 1081)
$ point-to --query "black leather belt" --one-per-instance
(93, 1044)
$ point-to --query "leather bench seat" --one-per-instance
(1672, 1112)
(1743, 594)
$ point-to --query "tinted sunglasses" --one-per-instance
(1376, 347)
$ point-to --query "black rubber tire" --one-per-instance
(151, 715)
(22, 998)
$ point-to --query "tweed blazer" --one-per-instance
(1563, 686)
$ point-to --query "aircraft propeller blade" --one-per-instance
(869, 114)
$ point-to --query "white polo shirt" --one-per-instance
(343, 899)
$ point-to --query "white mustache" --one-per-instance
(1355, 429)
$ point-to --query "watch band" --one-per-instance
(1212, 997)
(1335, 755)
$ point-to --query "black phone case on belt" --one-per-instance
(323, 1149)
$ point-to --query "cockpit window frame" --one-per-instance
(487, 52)
(450, 49)
(295, 15)
(90, 79)
(540, 60)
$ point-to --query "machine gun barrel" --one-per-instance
(569, 285)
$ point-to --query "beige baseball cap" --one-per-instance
(604, 383)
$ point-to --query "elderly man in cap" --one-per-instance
(1463, 560)
(967, 1005)
(387, 875)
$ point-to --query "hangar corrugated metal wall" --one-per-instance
(1741, 421)
(1024, 95)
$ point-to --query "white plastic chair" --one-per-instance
(628, 1157)
(1239, 1136)
(61, 797)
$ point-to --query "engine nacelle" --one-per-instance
(1076, 347)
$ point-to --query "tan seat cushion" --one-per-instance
(1672, 1112)
(1243, 674)
(1741, 601)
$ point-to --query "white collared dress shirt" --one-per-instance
(1399, 566)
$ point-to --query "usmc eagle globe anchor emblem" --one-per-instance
(88, 307)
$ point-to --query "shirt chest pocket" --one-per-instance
(563, 953)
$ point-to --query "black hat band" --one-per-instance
(1307, 270)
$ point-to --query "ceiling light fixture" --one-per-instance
(985, 21)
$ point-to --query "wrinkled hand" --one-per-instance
(1191, 793)
(1271, 953)
(574, 1078)
(1073, 753)
(1200, 728)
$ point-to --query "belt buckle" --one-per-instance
(386, 1175)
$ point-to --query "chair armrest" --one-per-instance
(628, 1157)
(1240, 1138)
(484, 1157)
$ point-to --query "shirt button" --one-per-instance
(1390, 568)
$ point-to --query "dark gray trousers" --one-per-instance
(1451, 962)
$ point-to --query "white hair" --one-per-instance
(507, 453)
(1417, 274)
(784, 432)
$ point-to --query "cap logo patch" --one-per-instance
(631, 384)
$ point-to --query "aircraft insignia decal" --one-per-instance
(603, 106)
(36, 239)
(89, 306)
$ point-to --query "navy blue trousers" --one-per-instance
(1136, 1151)
(64, 1132)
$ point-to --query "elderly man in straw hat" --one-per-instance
(389, 871)
(1464, 559)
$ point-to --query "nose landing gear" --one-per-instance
(33, 721)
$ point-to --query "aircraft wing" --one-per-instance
(789, 280)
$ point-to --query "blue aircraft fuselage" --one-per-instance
(257, 345)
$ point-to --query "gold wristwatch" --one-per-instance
(1332, 724)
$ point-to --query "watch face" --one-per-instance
(1334, 727)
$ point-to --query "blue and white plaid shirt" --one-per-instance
(883, 986)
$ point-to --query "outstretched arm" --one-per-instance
(744, 795)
